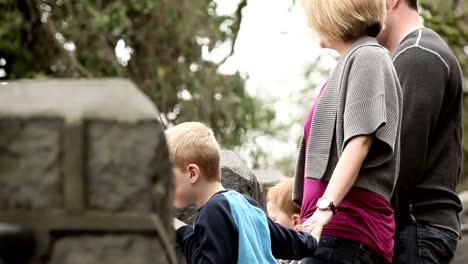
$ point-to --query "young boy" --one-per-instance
(229, 227)
(282, 209)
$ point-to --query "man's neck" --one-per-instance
(206, 191)
(401, 28)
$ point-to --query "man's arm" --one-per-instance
(423, 78)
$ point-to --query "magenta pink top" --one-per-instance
(362, 216)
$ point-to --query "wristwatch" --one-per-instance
(325, 204)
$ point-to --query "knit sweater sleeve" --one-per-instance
(373, 103)
(298, 187)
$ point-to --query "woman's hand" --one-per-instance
(319, 218)
(314, 225)
(317, 231)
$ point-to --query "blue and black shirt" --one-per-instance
(233, 228)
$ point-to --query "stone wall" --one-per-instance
(84, 164)
(30, 163)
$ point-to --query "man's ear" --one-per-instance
(296, 219)
(194, 172)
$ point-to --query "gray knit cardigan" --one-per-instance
(363, 96)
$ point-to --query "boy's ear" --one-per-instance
(194, 172)
(296, 219)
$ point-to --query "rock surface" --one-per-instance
(30, 163)
(107, 249)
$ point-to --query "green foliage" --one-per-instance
(316, 73)
(75, 38)
(449, 18)
(286, 165)
(464, 178)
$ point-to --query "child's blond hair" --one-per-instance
(345, 20)
(281, 196)
(194, 143)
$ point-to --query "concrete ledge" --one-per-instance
(76, 99)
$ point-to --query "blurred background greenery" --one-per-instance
(160, 45)
(450, 19)
(163, 42)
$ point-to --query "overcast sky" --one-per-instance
(273, 48)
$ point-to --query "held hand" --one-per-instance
(317, 231)
(178, 224)
(319, 218)
(299, 227)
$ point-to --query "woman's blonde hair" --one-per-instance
(345, 20)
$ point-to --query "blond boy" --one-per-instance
(229, 227)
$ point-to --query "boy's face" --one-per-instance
(182, 188)
(281, 217)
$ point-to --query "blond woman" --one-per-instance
(349, 155)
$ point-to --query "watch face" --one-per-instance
(323, 203)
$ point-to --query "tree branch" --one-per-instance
(52, 30)
(236, 28)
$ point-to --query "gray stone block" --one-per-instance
(237, 176)
(75, 100)
(81, 150)
(30, 163)
(108, 249)
(120, 165)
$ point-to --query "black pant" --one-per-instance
(344, 251)
(423, 243)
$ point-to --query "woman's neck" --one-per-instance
(342, 47)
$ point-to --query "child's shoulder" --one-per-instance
(223, 200)
(217, 207)
(235, 196)
(217, 200)
(229, 199)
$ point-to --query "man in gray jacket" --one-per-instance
(425, 202)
